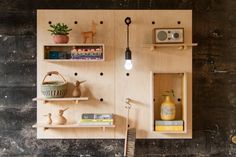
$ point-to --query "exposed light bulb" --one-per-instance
(128, 64)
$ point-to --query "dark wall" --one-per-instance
(214, 81)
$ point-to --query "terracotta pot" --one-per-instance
(60, 39)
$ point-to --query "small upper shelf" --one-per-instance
(181, 46)
(61, 99)
(74, 52)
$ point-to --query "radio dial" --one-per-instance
(175, 35)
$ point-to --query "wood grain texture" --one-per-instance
(115, 86)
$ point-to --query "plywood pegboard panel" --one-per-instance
(114, 86)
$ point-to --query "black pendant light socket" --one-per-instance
(127, 54)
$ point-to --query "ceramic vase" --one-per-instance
(168, 109)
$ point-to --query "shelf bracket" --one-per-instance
(183, 47)
(45, 128)
(45, 101)
(152, 48)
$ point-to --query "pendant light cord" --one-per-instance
(127, 35)
(128, 22)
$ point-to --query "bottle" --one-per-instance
(168, 109)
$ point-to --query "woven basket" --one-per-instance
(54, 89)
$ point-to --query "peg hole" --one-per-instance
(76, 22)
(179, 22)
(75, 73)
(101, 99)
(127, 74)
(49, 22)
(153, 22)
(101, 73)
(101, 22)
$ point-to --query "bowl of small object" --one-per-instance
(54, 89)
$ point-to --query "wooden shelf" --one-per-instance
(179, 46)
(67, 126)
(75, 44)
(111, 86)
(61, 99)
(178, 83)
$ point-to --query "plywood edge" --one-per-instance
(151, 101)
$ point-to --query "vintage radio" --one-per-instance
(168, 35)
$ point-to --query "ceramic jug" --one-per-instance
(168, 109)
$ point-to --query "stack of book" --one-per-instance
(95, 119)
(165, 125)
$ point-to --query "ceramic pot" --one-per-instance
(60, 39)
(168, 109)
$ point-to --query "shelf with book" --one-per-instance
(88, 120)
(110, 85)
(178, 83)
(68, 126)
(74, 52)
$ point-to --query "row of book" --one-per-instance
(94, 119)
(87, 53)
(58, 55)
(165, 125)
(87, 56)
(68, 55)
(87, 50)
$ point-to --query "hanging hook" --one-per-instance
(128, 20)
(127, 101)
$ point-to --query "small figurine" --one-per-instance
(89, 34)
(76, 91)
(61, 120)
(49, 118)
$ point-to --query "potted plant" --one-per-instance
(60, 33)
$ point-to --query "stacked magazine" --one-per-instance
(171, 125)
(96, 119)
